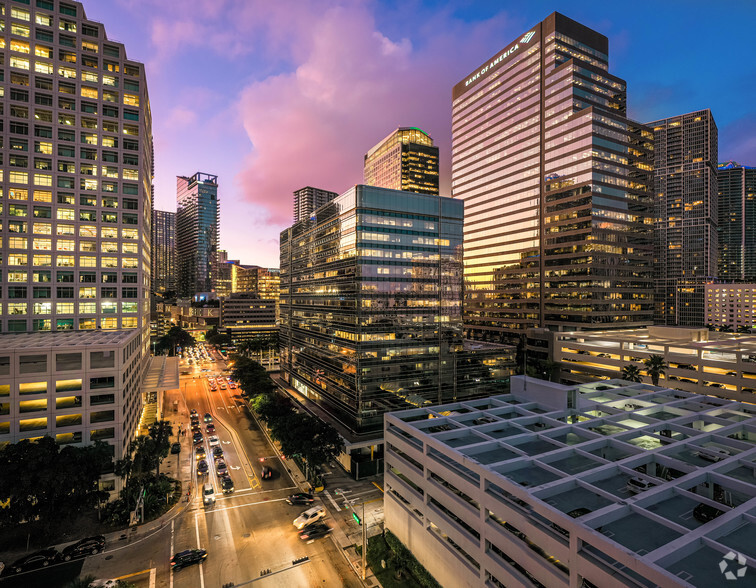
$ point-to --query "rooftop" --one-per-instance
(685, 449)
(23, 341)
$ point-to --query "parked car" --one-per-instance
(705, 513)
(202, 467)
(309, 517)
(315, 531)
(638, 484)
(175, 448)
(220, 467)
(266, 473)
(208, 417)
(301, 498)
(38, 559)
(187, 558)
(227, 484)
(84, 547)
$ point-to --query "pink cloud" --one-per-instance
(352, 87)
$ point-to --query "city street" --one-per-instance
(246, 533)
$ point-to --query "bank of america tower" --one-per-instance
(557, 188)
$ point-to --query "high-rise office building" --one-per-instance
(685, 231)
(405, 160)
(197, 232)
(163, 251)
(77, 181)
(555, 181)
(309, 199)
(370, 312)
(737, 221)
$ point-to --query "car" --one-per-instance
(266, 473)
(309, 517)
(705, 513)
(196, 428)
(187, 558)
(210, 428)
(193, 413)
(202, 467)
(638, 484)
(199, 452)
(198, 438)
(175, 448)
(213, 440)
(194, 420)
(315, 531)
(217, 452)
(220, 467)
(208, 495)
(84, 547)
(301, 498)
(232, 385)
(227, 484)
(114, 583)
(208, 417)
(38, 559)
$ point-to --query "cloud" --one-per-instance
(352, 87)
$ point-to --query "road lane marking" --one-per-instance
(196, 526)
(377, 486)
(153, 574)
(133, 574)
(170, 583)
(328, 495)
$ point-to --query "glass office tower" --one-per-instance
(163, 251)
(405, 160)
(197, 233)
(555, 181)
(370, 308)
(737, 221)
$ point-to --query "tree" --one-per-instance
(632, 373)
(174, 338)
(725, 329)
(745, 329)
(252, 377)
(655, 367)
(160, 433)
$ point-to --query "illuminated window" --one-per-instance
(130, 233)
(131, 174)
(17, 276)
(107, 262)
(43, 19)
(87, 292)
(42, 195)
(43, 68)
(42, 261)
(109, 81)
(87, 184)
(20, 30)
(64, 308)
(87, 307)
(43, 244)
(65, 261)
(42, 51)
(17, 259)
(66, 214)
(89, 92)
(43, 147)
(18, 194)
(67, 25)
(129, 262)
(66, 72)
(65, 245)
(17, 307)
(17, 242)
(62, 229)
(19, 62)
(87, 261)
(42, 180)
(42, 229)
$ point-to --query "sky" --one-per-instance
(274, 95)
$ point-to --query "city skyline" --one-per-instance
(308, 88)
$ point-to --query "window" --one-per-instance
(89, 93)
(111, 51)
(42, 229)
(88, 307)
(33, 364)
(43, 147)
(108, 292)
(17, 210)
(89, 138)
(87, 201)
(42, 163)
(19, 46)
(17, 276)
(109, 217)
(130, 174)
(89, 61)
(88, 277)
(90, 154)
(89, 107)
(87, 216)
(129, 278)
(42, 245)
(64, 307)
(44, 68)
(90, 47)
(42, 261)
(17, 307)
(63, 213)
(19, 128)
(130, 219)
(42, 180)
(18, 177)
(19, 145)
(68, 362)
(44, 132)
(67, 167)
(130, 100)
(22, 63)
(64, 151)
(65, 260)
(110, 157)
(65, 245)
(66, 104)
(87, 292)
(129, 292)
(104, 382)
(87, 184)
(43, 19)
(109, 80)
(43, 36)
(43, 196)
(87, 231)
(41, 277)
(110, 111)
(19, 95)
(43, 100)
(88, 123)
(65, 292)
(66, 119)
(41, 292)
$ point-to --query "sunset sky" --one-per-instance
(274, 95)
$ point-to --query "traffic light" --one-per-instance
(356, 518)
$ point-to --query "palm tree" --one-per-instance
(725, 329)
(631, 373)
(745, 329)
(160, 433)
(655, 367)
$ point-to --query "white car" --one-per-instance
(105, 584)
(309, 516)
(214, 441)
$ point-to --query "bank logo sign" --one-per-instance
(527, 37)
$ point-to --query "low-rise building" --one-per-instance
(699, 360)
(610, 483)
(246, 316)
(731, 305)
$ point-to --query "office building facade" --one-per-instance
(197, 233)
(686, 211)
(163, 251)
(245, 316)
(555, 181)
(405, 160)
(77, 229)
(608, 483)
(370, 310)
(308, 199)
(731, 305)
(737, 221)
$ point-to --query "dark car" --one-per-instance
(210, 428)
(193, 413)
(187, 558)
(266, 473)
(208, 417)
(301, 498)
(220, 467)
(314, 532)
(217, 451)
(176, 448)
(198, 437)
(227, 484)
(705, 513)
(202, 467)
(84, 547)
(38, 559)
